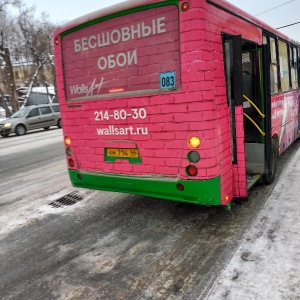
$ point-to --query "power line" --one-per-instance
(288, 25)
(274, 8)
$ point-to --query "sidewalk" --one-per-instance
(267, 263)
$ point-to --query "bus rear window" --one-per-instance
(134, 54)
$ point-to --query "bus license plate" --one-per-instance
(124, 152)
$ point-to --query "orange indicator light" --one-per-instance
(67, 141)
(194, 142)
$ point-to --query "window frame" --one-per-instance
(294, 65)
(267, 36)
(46, 107)
(284, 77)
(34, 109)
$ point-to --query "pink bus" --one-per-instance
(190, 101)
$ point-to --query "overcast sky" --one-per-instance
(276, 13)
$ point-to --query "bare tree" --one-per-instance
(37, 34)
(25, 44)
(9, 73)
(8, 80)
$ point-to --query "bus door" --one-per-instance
(245, 79)
(257, 112)
(253, 110)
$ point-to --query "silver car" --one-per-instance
(31, 117)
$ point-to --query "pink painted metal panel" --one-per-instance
(165, 121)
(122, 55)
(285, 121)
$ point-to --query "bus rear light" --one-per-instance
(180, 187)
(193, 156)
(67, 141)
(194, 142)
(191, 171)
(71, 163)
(116, 90)
(185, 6)
(57, 41)
(68, 151)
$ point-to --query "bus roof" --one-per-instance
(230, 8)
(126, 5)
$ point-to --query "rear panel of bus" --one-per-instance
(135, 118)
(144, 101)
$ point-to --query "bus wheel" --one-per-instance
(269, 175)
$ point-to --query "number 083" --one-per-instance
(167, 80)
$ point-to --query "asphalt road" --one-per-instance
(29, 150)
(108, 245)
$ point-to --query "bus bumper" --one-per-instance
(202, 192)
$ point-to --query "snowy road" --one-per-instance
(109, 245)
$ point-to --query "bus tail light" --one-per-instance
(185, 6)
(117, 90)
(180, 187)
(191, 170)
(71, 163)
(67, 141)
(194, 142)
(193, 156)
(57, 41)
(69, 152)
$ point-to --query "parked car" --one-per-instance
(31, 117)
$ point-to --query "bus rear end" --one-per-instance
(128, 121)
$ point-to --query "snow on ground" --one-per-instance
(26, 196)
(30, 200)
(266, 265)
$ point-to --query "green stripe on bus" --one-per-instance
(204, 192)
(119, 14)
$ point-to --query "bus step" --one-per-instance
(252, 179)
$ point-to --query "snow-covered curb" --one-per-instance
(266, 265)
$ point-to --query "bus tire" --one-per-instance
(269, 175)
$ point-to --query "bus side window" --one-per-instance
(284, 66)
(294, 67)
